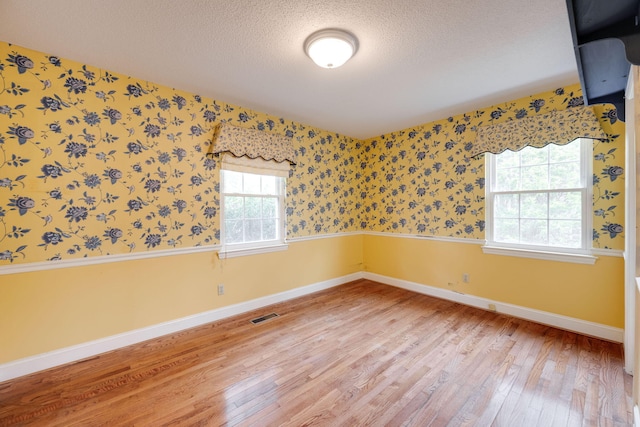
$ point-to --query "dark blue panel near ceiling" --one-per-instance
(606, 37)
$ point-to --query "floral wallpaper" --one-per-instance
(423, 180)
(97, 163)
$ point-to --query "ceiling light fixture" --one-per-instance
(330, 48)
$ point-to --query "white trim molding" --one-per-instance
(584, 327)
(78, 352)
(426, 237)
(103, 259)
(323, 236)
(544, 255)
(225, 253)
(607, 252)
(636, 416)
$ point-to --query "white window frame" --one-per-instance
(576, 255)
(232, 250)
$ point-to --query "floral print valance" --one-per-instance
(256, 166)
(252, 143)
(557, 127)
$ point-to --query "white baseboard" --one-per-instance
(74, 353)
(636, 416)
(563, 322)
(62, 356)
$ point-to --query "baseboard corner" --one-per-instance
(584, 327)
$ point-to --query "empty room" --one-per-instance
(323, 213)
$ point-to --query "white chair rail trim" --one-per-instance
(105, 259)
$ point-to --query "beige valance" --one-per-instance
(252, 143)
(255, 166)
(557, 127)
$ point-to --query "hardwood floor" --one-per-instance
(357, 355)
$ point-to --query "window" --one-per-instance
(539, 199)
(252, 212)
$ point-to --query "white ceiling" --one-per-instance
(418, 60)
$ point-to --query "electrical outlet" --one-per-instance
(220, 289)
(492, 307)
(465, 278)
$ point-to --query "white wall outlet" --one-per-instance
(465, 278)
(220, 289)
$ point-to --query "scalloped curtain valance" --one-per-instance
(253, 144)
(256, 166)
(557, 127)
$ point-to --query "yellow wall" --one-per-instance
(74, 141)
(47, 310)
(590, 292)
(95, 163)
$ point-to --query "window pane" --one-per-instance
(506, 230)
(533, 231)
(507, 179)
(269, 207)
(564, 175)
(535, 177)
(565, 206)
(233, 207)
(269, 229)
(507, 206)
(253, 207)
(233, 231)
(533, 205)
(567, 234)
(253, 230)
(251, 183)
(232, 182)
(534, 156)
(507, 159)
(269, 185)
(564, 153)
(527, 207)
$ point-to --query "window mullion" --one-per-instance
(251, 195)
(558, 190)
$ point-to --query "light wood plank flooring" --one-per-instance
(362, 354)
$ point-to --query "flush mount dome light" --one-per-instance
(330, 48)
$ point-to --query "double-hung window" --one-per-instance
(252, 213)
(253, 168)
(539, 202)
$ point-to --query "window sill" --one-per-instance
(238, 252)
(545, 255)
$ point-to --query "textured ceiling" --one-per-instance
(418, 61)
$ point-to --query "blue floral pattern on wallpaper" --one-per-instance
(96, 163)
(424, 181)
